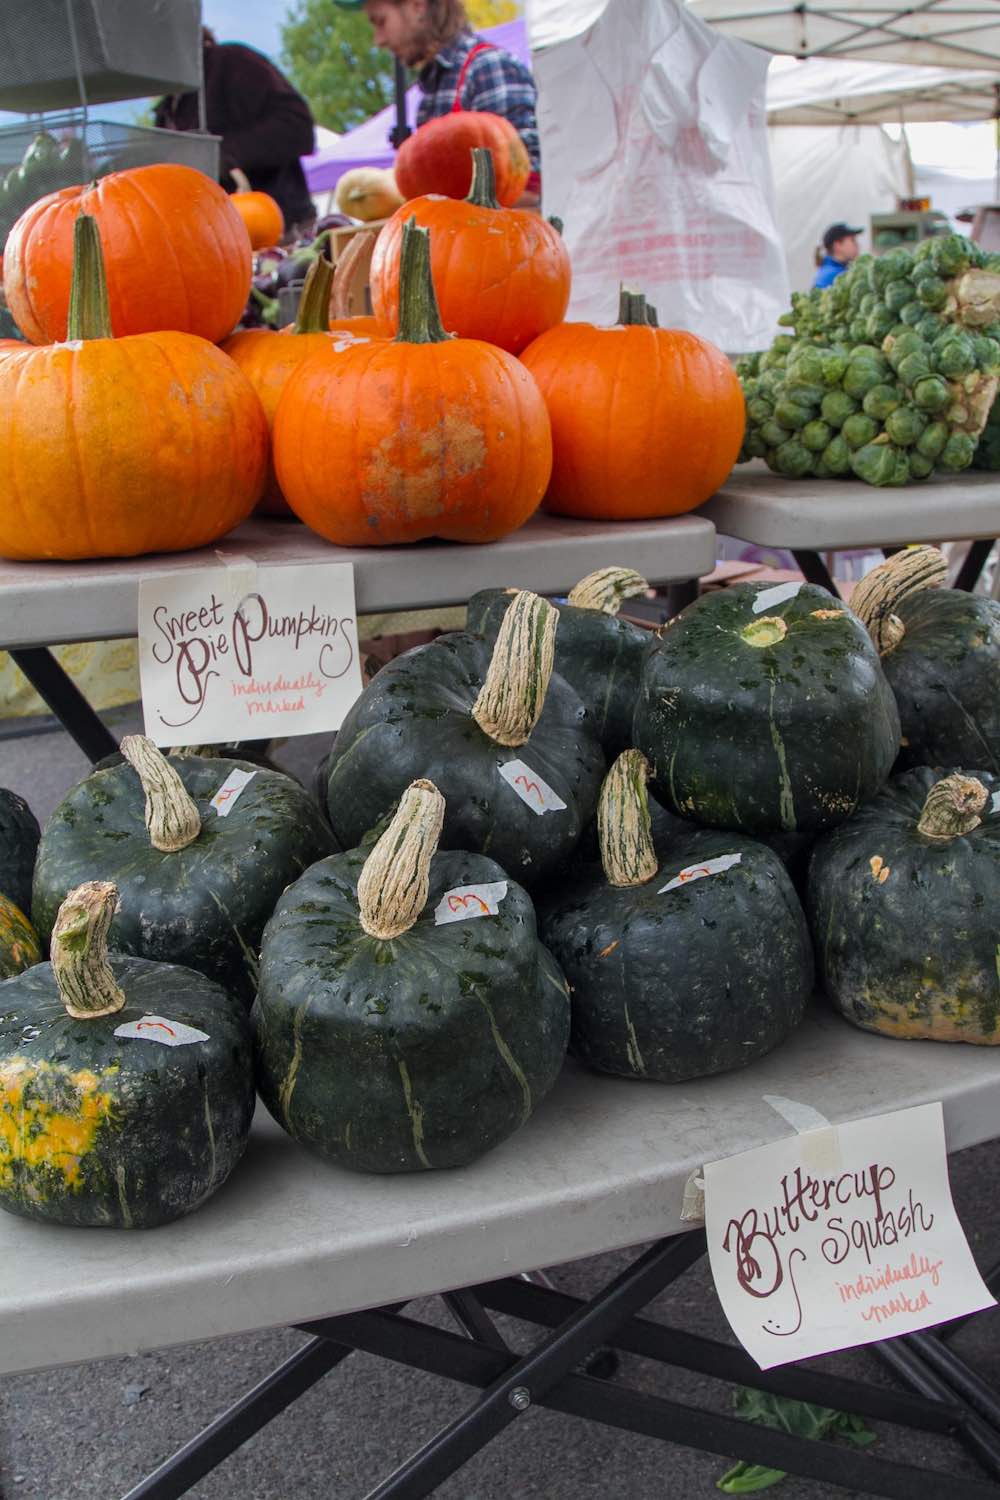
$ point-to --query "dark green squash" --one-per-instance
(386, 1041)
(903, 904)
(599, 654)
(19, 834)
(766, 716)
(195, 887)
(19, 945)
(681, 983)
(462, 714)
(940, 650)
(122, 1131)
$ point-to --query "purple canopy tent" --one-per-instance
(367, 145)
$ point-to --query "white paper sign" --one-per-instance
(839, 1237)
(159, 1029)
(230, 789)
(768, 598)
(467, 901)
(244, 653)
(698, 872)
(531, 789)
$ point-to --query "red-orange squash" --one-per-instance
(176, 252)
(114, 447)
(265, 223)
(268, 359)
(420, 436)
(435, 158)
(500, 274)
(646, 421)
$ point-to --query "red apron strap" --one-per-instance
(479, 47)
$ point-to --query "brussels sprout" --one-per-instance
(746, 366)
(861, 375)
(957, 453)
(923, 253)
(880, 400)
(857, 329)
(904, 425)
(931, 394)
(879, 322)
(930, 326)
(815, 436)
(987, 353)
(912, 313)
(802, 393)
(932, 292)
(932, 440)
(859, 430)
(898, 345)
(754, 445)
(834, 365)
(896, 266)
(782, 344)
(822, 470)
(771, 383)
(880, 464)
(793, 459)
(896, 295)
(954, 354)
(806, 365)
(791, 415)
(922, 269)
(774, 359)
(920, 466)
(914, 367)
(836, 456)
(772, 434)
(856, 292)
(950, 255)
(868, 304)
(836, 407)
(758, 410)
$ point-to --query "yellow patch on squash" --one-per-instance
(49, 1118)
(880, 870)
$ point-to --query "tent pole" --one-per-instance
(401, 130)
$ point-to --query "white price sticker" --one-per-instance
(467, 901)
(698, 872)
(995, 802)
(531, 789)
(159, 1029)
(230, 789)
(768, 598)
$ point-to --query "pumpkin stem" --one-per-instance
(313, 315)
(512, 697)
(952, 808)
(623, 823)
(632, 306)
(885, 587)
(392, 887)
(79, 948)
(557, 223)
(652, 317)
(607, 589)
(89, 310)
(419, 318)
(483, 192)
(172, 819)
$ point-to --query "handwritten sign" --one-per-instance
(532, 790)
(242, 653)
(839, 1237)
(466, 901)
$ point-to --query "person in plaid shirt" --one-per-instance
(456, 65)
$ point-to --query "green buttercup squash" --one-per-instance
(126, 1087)
(19, 834)
(765, 709)
(683, 959)
(19, 946)
(200, 850)
(407, 1016)
(903, 901)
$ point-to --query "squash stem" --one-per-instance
(393, 885)
(419, 318)
(172, 818)
(89, 310)
(511, 699)
(952, 808)
(607, 589)
(882, 590)
(79, 947)
(624, 828)
(313, 315)
(631, 306)
(483, 192)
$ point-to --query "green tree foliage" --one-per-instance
(328, 55)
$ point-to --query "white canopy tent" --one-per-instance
(824, 91)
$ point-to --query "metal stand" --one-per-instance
(510, 1384)
(814, 570)
(66, 701)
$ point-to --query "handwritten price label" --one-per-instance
(467, 901)
(714, 866)
(839, 1237)
(246, 653)
(159, 1029)
(225, 798)
(532, 790)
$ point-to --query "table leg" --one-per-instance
(975, 561)
(66, 701)
(814, 570)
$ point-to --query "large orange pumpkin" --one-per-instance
(646, 421)
(435, 158)
(265, 223)
(177, 255)
(500, 274)
(268, 359)
(112, 447)
(421, 436)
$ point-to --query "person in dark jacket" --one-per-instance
(265, 125)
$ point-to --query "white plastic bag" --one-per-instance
(654, 155)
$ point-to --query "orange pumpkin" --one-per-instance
(435, 158)
(265, 223)
(268, 359)
(113, 447)
(501, 274)
(177, 255)
(421, 436)
(363, 326)
(646, 421)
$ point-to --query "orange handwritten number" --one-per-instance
(155, 1026)
(529, 786)
(455, 902)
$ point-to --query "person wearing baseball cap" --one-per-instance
(840, 245)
